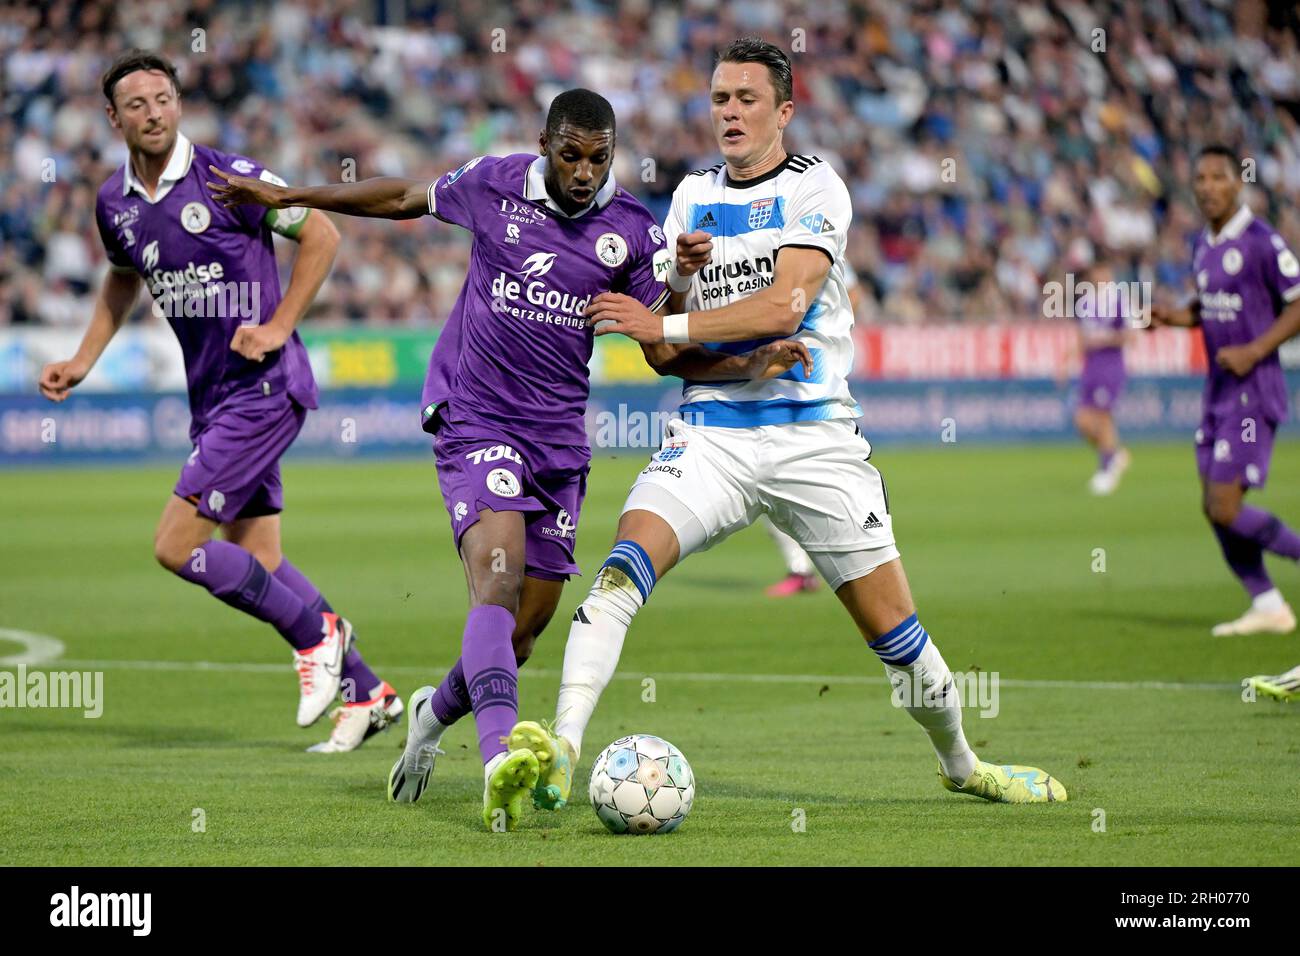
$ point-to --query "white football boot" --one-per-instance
(357, 722)
(1278, 621)
(320, 669)
(410, 775)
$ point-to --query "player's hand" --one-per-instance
(59, 378)
(1238, 359)
(694, 249)
(777, 358)
(253, 342)
(615, 312)
(244, 190)
(1165, 315)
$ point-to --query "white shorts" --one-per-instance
(812, 478)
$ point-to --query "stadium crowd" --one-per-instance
(989, 145)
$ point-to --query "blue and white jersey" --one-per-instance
(802, 202)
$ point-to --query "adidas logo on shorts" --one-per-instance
(872, 522)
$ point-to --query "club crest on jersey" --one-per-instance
(611, 249)
(760, 212)
(673, 451)
(816, 223)
(1232, 261)
(195, 217)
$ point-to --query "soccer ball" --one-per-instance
(641, 784)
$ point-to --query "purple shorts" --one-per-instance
(1102, 381)
(487, 466)
(1234, 448)
(234, 470)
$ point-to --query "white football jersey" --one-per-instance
(802, 202)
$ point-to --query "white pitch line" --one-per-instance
(38, 648)
(704, 678)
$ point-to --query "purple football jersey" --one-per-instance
(1244, 277)
(515, 349)
(209, 270)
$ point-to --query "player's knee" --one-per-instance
(169, 552)
(1220, 509)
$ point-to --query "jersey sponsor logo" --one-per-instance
(611, 249)
(816, 223)
(502, 483)
(451, 179)
(460, 510)
(242, 166)
(663, 264)
(707, 221)
(216, 501)
(494, 453)
(512, 234)
(760, 212)
(739, 278)
(1232, 261)
(538, 264)
(149, 258)
(667, 469)
(560, 308)
(1252, 474)
(872, 523)
(656, 235)
(1222, 450)
(195, 217)
(524, 215)
(564, 525)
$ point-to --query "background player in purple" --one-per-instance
(1101, 379)
(212, 273)
(505, 398)
(1248, 287)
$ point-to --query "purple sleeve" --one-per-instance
(1281, 271)
(452, 195)
(117, 257)
(640, 280)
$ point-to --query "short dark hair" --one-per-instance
(579, 108)
(1218, 149)
(756, 50)
(133, 60)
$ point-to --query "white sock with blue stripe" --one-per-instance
(620, 589)
(923, 686)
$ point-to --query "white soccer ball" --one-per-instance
(641, 784)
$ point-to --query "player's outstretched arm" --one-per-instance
(384, 197)
(318, 242)
(116, 296)
(699, 364)
(775, 310)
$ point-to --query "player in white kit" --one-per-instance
(760, 242)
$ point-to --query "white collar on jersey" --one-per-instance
(535, 190)
(178, 165)
(1233, 228)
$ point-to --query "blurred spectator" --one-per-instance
(988, 145)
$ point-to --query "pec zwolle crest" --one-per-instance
(760, 211)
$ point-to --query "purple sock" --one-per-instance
(236, 577)
(1267, 531)
(1104, 458)
(1246, 560)
(450, 701)
(491, 675)
(364, 683)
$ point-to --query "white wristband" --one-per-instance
(676, 281)
(677, 327)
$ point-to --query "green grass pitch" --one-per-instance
(778, 705)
